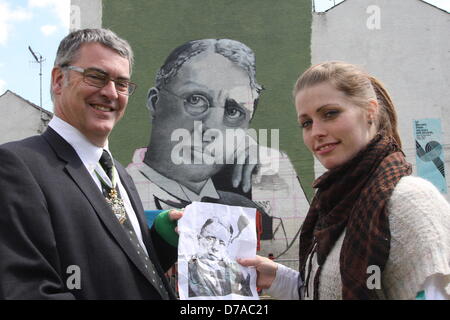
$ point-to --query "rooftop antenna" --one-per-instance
(39, 59)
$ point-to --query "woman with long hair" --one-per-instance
(373, 231)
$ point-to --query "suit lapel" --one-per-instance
(83, 179)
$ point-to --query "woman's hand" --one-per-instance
(266, 270)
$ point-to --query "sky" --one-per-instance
(42, 24)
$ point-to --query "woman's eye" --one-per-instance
(306, 124)
(331, 114)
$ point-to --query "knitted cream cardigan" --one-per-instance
(419, 220)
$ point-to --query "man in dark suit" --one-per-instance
(71, 222)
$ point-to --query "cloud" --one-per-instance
(48, 30)
(8, 17)
(61, 8)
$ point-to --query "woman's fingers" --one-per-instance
(250, 262)
(266, 270)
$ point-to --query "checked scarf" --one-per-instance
(354, 197)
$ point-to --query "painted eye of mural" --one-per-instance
(197, 100)
(196, 104)
(233, 112)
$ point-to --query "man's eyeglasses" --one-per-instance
(198, 105)
(99, 79)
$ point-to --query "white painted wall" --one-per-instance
(409, 51)
(20, 119)
(85, 14)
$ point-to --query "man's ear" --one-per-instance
(152, 99)
(57, 80)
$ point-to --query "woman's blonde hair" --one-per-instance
(357, 85)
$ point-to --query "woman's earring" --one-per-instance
(370, 122)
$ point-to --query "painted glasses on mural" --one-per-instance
(203, 149)
(212, 237)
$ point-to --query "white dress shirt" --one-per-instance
(90, 155)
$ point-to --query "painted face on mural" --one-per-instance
(208, 96)
(334, 128)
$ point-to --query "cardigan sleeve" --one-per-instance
(419, 218)
(434, 288)
(285, 285)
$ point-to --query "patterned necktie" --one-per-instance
(114, 199)
(106, 163)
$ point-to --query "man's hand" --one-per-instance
(174, 215)
(166, 225)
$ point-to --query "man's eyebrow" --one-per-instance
(106, 73)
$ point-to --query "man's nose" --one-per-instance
(109, 90)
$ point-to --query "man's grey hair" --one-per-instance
(70, 45)
(235, 51)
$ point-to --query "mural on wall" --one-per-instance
(279, 37)
(202, 148)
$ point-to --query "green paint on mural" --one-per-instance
(278, 32)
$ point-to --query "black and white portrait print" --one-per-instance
(212, 237)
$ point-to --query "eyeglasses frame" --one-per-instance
(131, 85)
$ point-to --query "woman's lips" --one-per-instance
(326, 148)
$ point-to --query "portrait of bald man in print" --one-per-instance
(212, 239)
(211, 272)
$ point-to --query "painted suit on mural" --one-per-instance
(205, 90)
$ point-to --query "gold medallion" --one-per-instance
(117, 206)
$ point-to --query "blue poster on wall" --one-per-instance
(429, 152)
